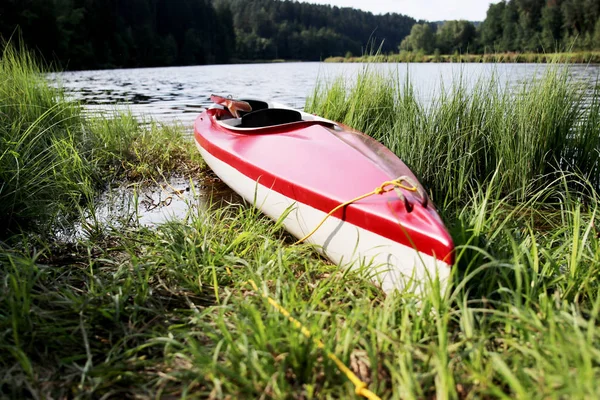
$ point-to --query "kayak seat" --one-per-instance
(256, 106)
(270, 117)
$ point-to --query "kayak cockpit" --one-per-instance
(256, 105)
(264, 116)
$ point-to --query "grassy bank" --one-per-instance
(419, 57)
(168, 312)
(52, 160)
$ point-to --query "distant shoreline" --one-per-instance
(586, 57)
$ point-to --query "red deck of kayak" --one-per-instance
(306, 162)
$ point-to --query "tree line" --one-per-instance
(86, 34)
(542, 25)
(82, 34)
(270, 29)
(515, 25)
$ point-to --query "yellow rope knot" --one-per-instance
(385, 187)
(360, 387)
(396, 183)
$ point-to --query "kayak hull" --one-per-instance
(389, 262)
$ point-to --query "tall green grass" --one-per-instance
(507, 166)
(167, 312)
(52, 159)
(457, 142)
(40, 135)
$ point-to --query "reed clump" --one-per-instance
(53, 160)
(583, 57)
(507, 166)
(40, 138)
(458, 141)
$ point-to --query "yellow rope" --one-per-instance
(385, 187)
(360, 386)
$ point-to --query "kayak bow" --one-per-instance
(276, 158)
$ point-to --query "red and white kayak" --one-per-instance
(281, 159)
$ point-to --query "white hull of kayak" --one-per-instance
(389, 264)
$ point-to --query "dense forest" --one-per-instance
(80, 34)
(515, 25)
(268, 29)
(542, 25)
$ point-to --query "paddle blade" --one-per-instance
(218, 99)
(234, 106)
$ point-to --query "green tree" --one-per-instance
(541, 25)
(510, 21)
(552, 25)
(491, 29)
(456, 36)
(299, 30)
(596, 39)
(123, 33)
(421, 38)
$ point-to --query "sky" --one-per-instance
(430, 10)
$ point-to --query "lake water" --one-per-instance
(181, 93)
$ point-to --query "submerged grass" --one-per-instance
(167, 312)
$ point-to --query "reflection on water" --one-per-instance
(181, 93)
(149, 205)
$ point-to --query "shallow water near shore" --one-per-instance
(150, 204)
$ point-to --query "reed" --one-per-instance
(40, 164)
(583, 57)
(458, 141)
